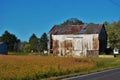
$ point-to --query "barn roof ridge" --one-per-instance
(76, 29)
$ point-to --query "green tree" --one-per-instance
(27, 48)
(17, 46)
(11, 40)
(72, 21)
(106, 23)
(33, 41)
(43, 42)
(116, 31)
(113, 31)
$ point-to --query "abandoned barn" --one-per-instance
(77, 40)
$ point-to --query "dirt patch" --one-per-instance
(106, 56)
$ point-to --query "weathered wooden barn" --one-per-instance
(77, 40)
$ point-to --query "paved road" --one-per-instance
(113, 74)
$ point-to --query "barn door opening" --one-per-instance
(78, 46)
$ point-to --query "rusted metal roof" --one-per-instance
(77, 29)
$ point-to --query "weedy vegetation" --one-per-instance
(14, 67)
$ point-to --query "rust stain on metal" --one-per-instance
(95, 43)
(55, 47)
(68, 47)
(75, 45)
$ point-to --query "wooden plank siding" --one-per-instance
(75, 45)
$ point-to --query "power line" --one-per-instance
(115, 3)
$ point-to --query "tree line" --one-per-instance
(14, 44)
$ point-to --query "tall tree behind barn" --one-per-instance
(77, 40)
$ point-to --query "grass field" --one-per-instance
(41, 67)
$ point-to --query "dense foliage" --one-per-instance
(113, 32)
(38, 44)
(11, 40)
(43, 42)
(33, 41)
(14, 44)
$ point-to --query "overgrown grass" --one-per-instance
(26, 54)
(42, 67)
(18, 53)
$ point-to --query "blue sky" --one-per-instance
(25, 17)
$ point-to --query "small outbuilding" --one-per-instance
(77, 40)
(3, 48)
(116, 51)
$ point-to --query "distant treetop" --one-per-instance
(72, 21)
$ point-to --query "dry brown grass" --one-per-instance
(37, 67)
